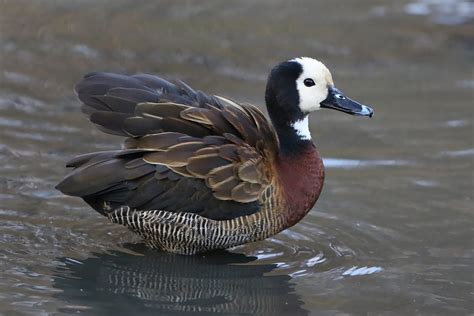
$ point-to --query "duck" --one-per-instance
(200, 172)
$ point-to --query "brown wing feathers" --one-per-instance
(186, 151)
(202, 158)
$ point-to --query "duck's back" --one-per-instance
(192, 157)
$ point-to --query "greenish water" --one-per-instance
(392, 232)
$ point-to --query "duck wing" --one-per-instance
(185, 151)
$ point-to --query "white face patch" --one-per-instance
(302, 128)
(312, 96)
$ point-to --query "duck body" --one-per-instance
(200, 172)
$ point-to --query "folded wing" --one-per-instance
(185, 151)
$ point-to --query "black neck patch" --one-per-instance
(282, 99)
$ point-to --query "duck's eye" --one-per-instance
(309, 82)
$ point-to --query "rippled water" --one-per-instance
(392, 232)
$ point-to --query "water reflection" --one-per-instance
(150, 282)
(355, 163)
(448, 12)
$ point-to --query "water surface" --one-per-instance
(392, 231)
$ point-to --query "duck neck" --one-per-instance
(300, 170)
(290, 123)
(294, 137)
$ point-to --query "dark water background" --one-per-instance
(393, 230)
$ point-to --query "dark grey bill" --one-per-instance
(338, 101)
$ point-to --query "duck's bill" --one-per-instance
(336, 100)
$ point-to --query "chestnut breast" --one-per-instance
(301, 178)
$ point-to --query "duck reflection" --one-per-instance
(151, 282)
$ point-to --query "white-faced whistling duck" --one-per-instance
(200, 172)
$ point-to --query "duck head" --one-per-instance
(297, 87)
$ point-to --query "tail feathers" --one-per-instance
(103, 180)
